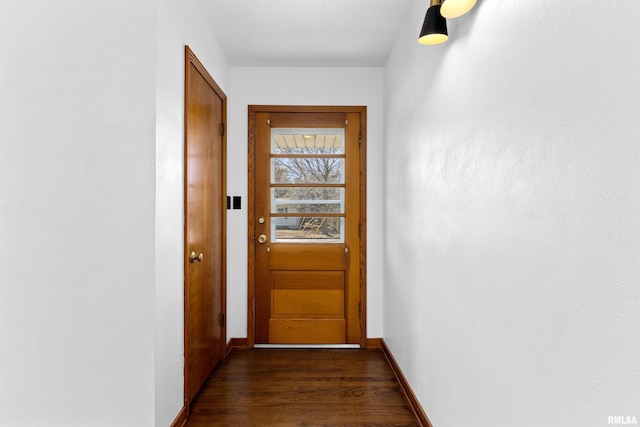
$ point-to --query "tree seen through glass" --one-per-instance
(310, 199)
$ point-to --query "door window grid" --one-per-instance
(307, 185)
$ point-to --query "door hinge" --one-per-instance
(360, 139)
(221, 129)
(221, 320)
(360, 231)
(360, 309)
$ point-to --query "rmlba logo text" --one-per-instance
(622, 420)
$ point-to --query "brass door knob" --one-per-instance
(262, 238)
(193, 257)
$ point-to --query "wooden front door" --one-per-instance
(205, 218)
(306, 224)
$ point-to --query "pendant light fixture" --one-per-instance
(455, 8)
(434, 29)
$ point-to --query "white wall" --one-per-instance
(302, 86)
(179, 24)
(512, 214)
(77, 177)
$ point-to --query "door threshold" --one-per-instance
(303, 346)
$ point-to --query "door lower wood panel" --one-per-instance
(308, 295)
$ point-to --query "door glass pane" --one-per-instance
(307, 230)
(307, 170)
(313, 200)
(307, 156)
(307, 141)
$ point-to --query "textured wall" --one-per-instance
(180, 23)
(77, 177)
(512, 215)
(303, 86)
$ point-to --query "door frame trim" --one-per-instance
(251, 242)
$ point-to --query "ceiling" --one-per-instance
(305, 33)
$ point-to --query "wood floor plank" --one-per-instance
(266, 387)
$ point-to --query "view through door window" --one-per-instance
(307, 185)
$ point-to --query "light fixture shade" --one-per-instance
(434, 29)
(455, 8)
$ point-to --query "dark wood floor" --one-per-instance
(302, 388)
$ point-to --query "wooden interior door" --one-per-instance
(205, 219)
(307, 223)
